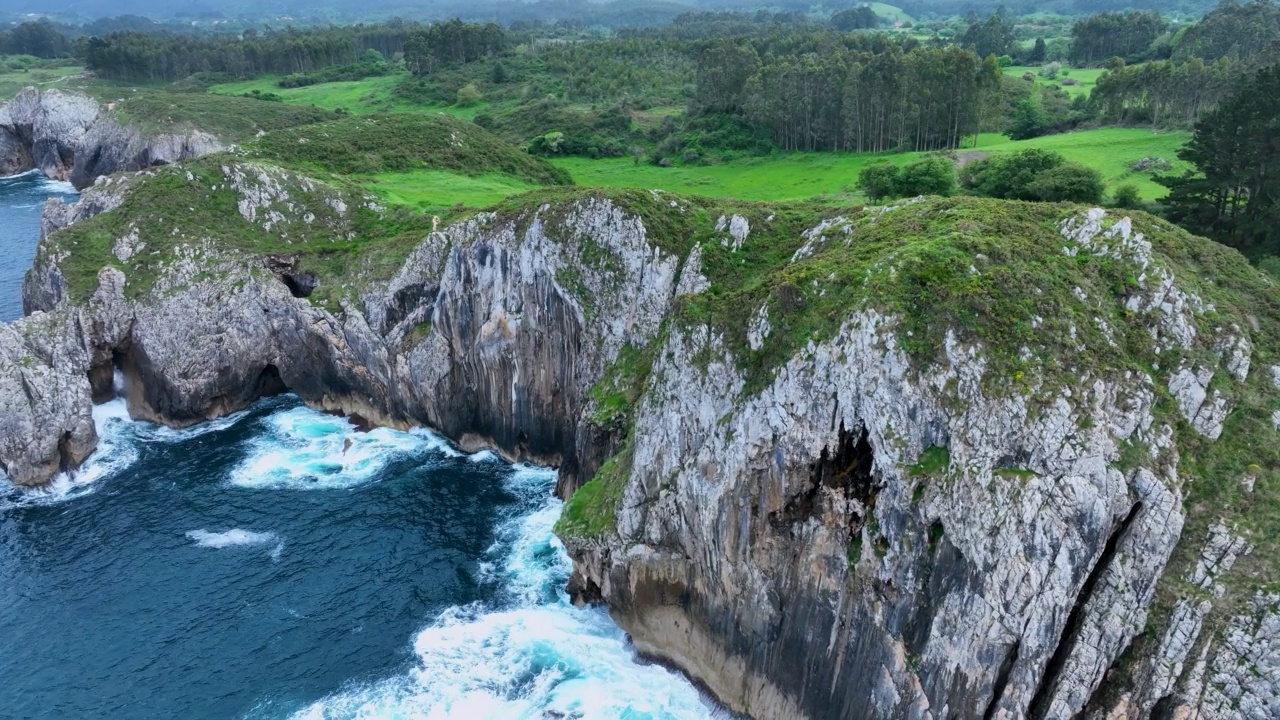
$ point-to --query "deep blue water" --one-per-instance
(21, 200)
(279, 563)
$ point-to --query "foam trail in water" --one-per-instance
(119, 438)
(529, 655)
(303, 449)
(237, 538)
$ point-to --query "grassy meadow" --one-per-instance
(13, 80)
(833, 177)
(1086, 78)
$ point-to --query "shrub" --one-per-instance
(928, 176)
(1050, 70)
(468, 95)
(1009, 176)
(1068, 182)
(1126, 196)
(879, 180)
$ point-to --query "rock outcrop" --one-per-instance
(69, 136)
(831, 467)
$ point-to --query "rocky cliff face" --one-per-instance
(954, 459)
(68, 136)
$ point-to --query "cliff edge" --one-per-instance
(69, 136)
(953, 458)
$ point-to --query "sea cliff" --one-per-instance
(954, 458)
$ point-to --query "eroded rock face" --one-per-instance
(67, 136)
(790, 546)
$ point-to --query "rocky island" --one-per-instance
(954, 457)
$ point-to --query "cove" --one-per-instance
(280, 563)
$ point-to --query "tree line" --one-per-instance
(451, 42)
(1097, 39)
(873, 96)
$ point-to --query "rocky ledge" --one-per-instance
(958, 458)
(69, 136)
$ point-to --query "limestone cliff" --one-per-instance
(69, 136)
(958, 458)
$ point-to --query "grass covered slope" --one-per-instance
(402, 142)
(221, 208)
(1047, 313)
(833, 177)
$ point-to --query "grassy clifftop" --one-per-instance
(366, 145)
(1048, 312)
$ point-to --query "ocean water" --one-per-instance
(22, 198)
(279, 563)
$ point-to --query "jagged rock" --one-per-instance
(778, 536)
(1191, 391)
(67, 136)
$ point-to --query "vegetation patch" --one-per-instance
(933, 461)
(195, 205)
(592, 512)
(398, 143)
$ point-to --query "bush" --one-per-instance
(1050, 70)
(1009, 176)
(879, 180)
(1126, 196)
(1068, 182)
(927, 176)
(468, 95)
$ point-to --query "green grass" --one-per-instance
(12, 81)
(1109, 150)
(1086, 78)
(439, 190)
(833, 177)
(401, 143)
(892, 12)
(368, 95)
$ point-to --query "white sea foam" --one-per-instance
(116, 451)
(119, 438)
(484, 456)
(237, 538)
(530, 654)
(303, 449)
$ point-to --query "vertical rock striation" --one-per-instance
(859, 530)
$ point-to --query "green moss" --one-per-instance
(593, 510)
(933, 461)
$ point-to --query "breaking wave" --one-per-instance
(303, 449)
(529, 653)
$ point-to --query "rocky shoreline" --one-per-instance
(857, 535)
(69, 136)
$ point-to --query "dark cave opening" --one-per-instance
(300, 285)
(847, 469)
